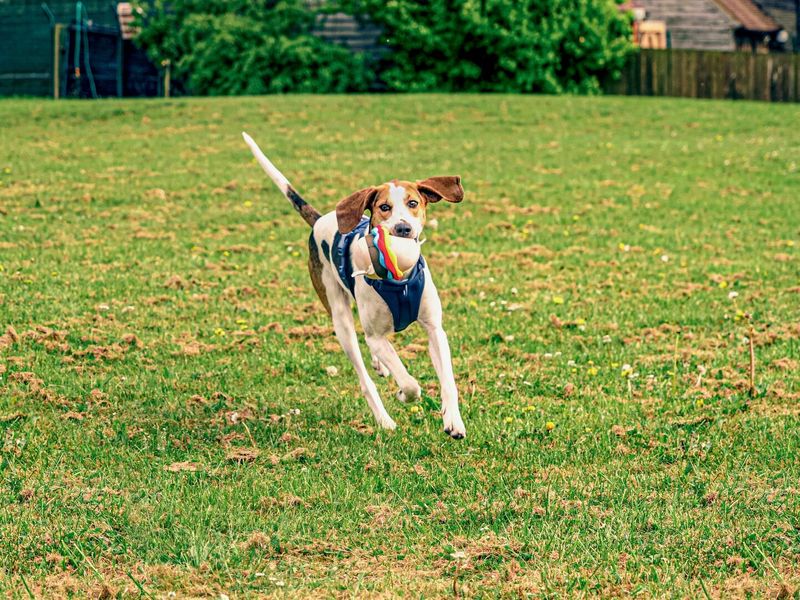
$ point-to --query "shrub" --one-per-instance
(547, 46)
(219, 47)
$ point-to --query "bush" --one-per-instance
(219, 47)
(550, 46)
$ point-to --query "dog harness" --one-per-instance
(402, 297)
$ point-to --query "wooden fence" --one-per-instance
(707, 74)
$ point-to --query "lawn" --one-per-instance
(170, 421)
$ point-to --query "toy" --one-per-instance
(379, 255)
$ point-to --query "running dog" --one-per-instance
(383, 305)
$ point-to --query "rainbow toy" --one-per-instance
(379, 255)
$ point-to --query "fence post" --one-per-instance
(167, 76)
(56, 61)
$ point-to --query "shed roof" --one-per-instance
(748, 15)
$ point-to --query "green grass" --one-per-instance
(596, 233)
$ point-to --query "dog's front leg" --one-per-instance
(439, 349)
(345, 329)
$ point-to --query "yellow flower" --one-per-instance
(508, 420)
(415, 409)
(219, 331)
(247, 204)
(550, 426)
(699, 403)
(592, 371)
(723, 284)
(558, 300)
(529, 408)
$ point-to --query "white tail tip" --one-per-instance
(266, 164)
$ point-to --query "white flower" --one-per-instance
(458, 555)
(571, 363)
(664, 258)
(514, 290)
(331, 371)
(732, 295)
(606, 339)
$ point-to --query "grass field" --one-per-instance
(168, 419)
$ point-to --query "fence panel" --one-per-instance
(710, 74)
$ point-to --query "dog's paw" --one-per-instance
(454, 426)
(387, 423)
(410, 394)
(380, 368)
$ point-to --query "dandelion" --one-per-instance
(592, 371)
(508, 420)
(529, 408)
(247, 204)
(699, 403)
(723, 284)
(558, 300)
(550, 426)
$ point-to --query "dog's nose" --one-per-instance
(402, 229)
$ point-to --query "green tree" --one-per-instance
(227, 47)
(550, 46)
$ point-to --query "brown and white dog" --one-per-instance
(401, 207)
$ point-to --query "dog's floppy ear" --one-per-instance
(350, 210)
(448, 188)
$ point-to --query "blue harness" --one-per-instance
(402, 297)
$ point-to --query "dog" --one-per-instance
(383, 306)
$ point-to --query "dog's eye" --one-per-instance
(413, 204)
(385, 207)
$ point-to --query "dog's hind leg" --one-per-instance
(345, 329)
(379, 367)
(384, 352)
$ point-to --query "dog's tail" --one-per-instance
(308, 212)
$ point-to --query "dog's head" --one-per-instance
(401, 206)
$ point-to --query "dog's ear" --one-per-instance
(350, 210)
(448, 188)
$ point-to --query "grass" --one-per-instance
(168, 422)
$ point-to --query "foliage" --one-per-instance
(220, 47)
(166, 412)
(547, 46)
